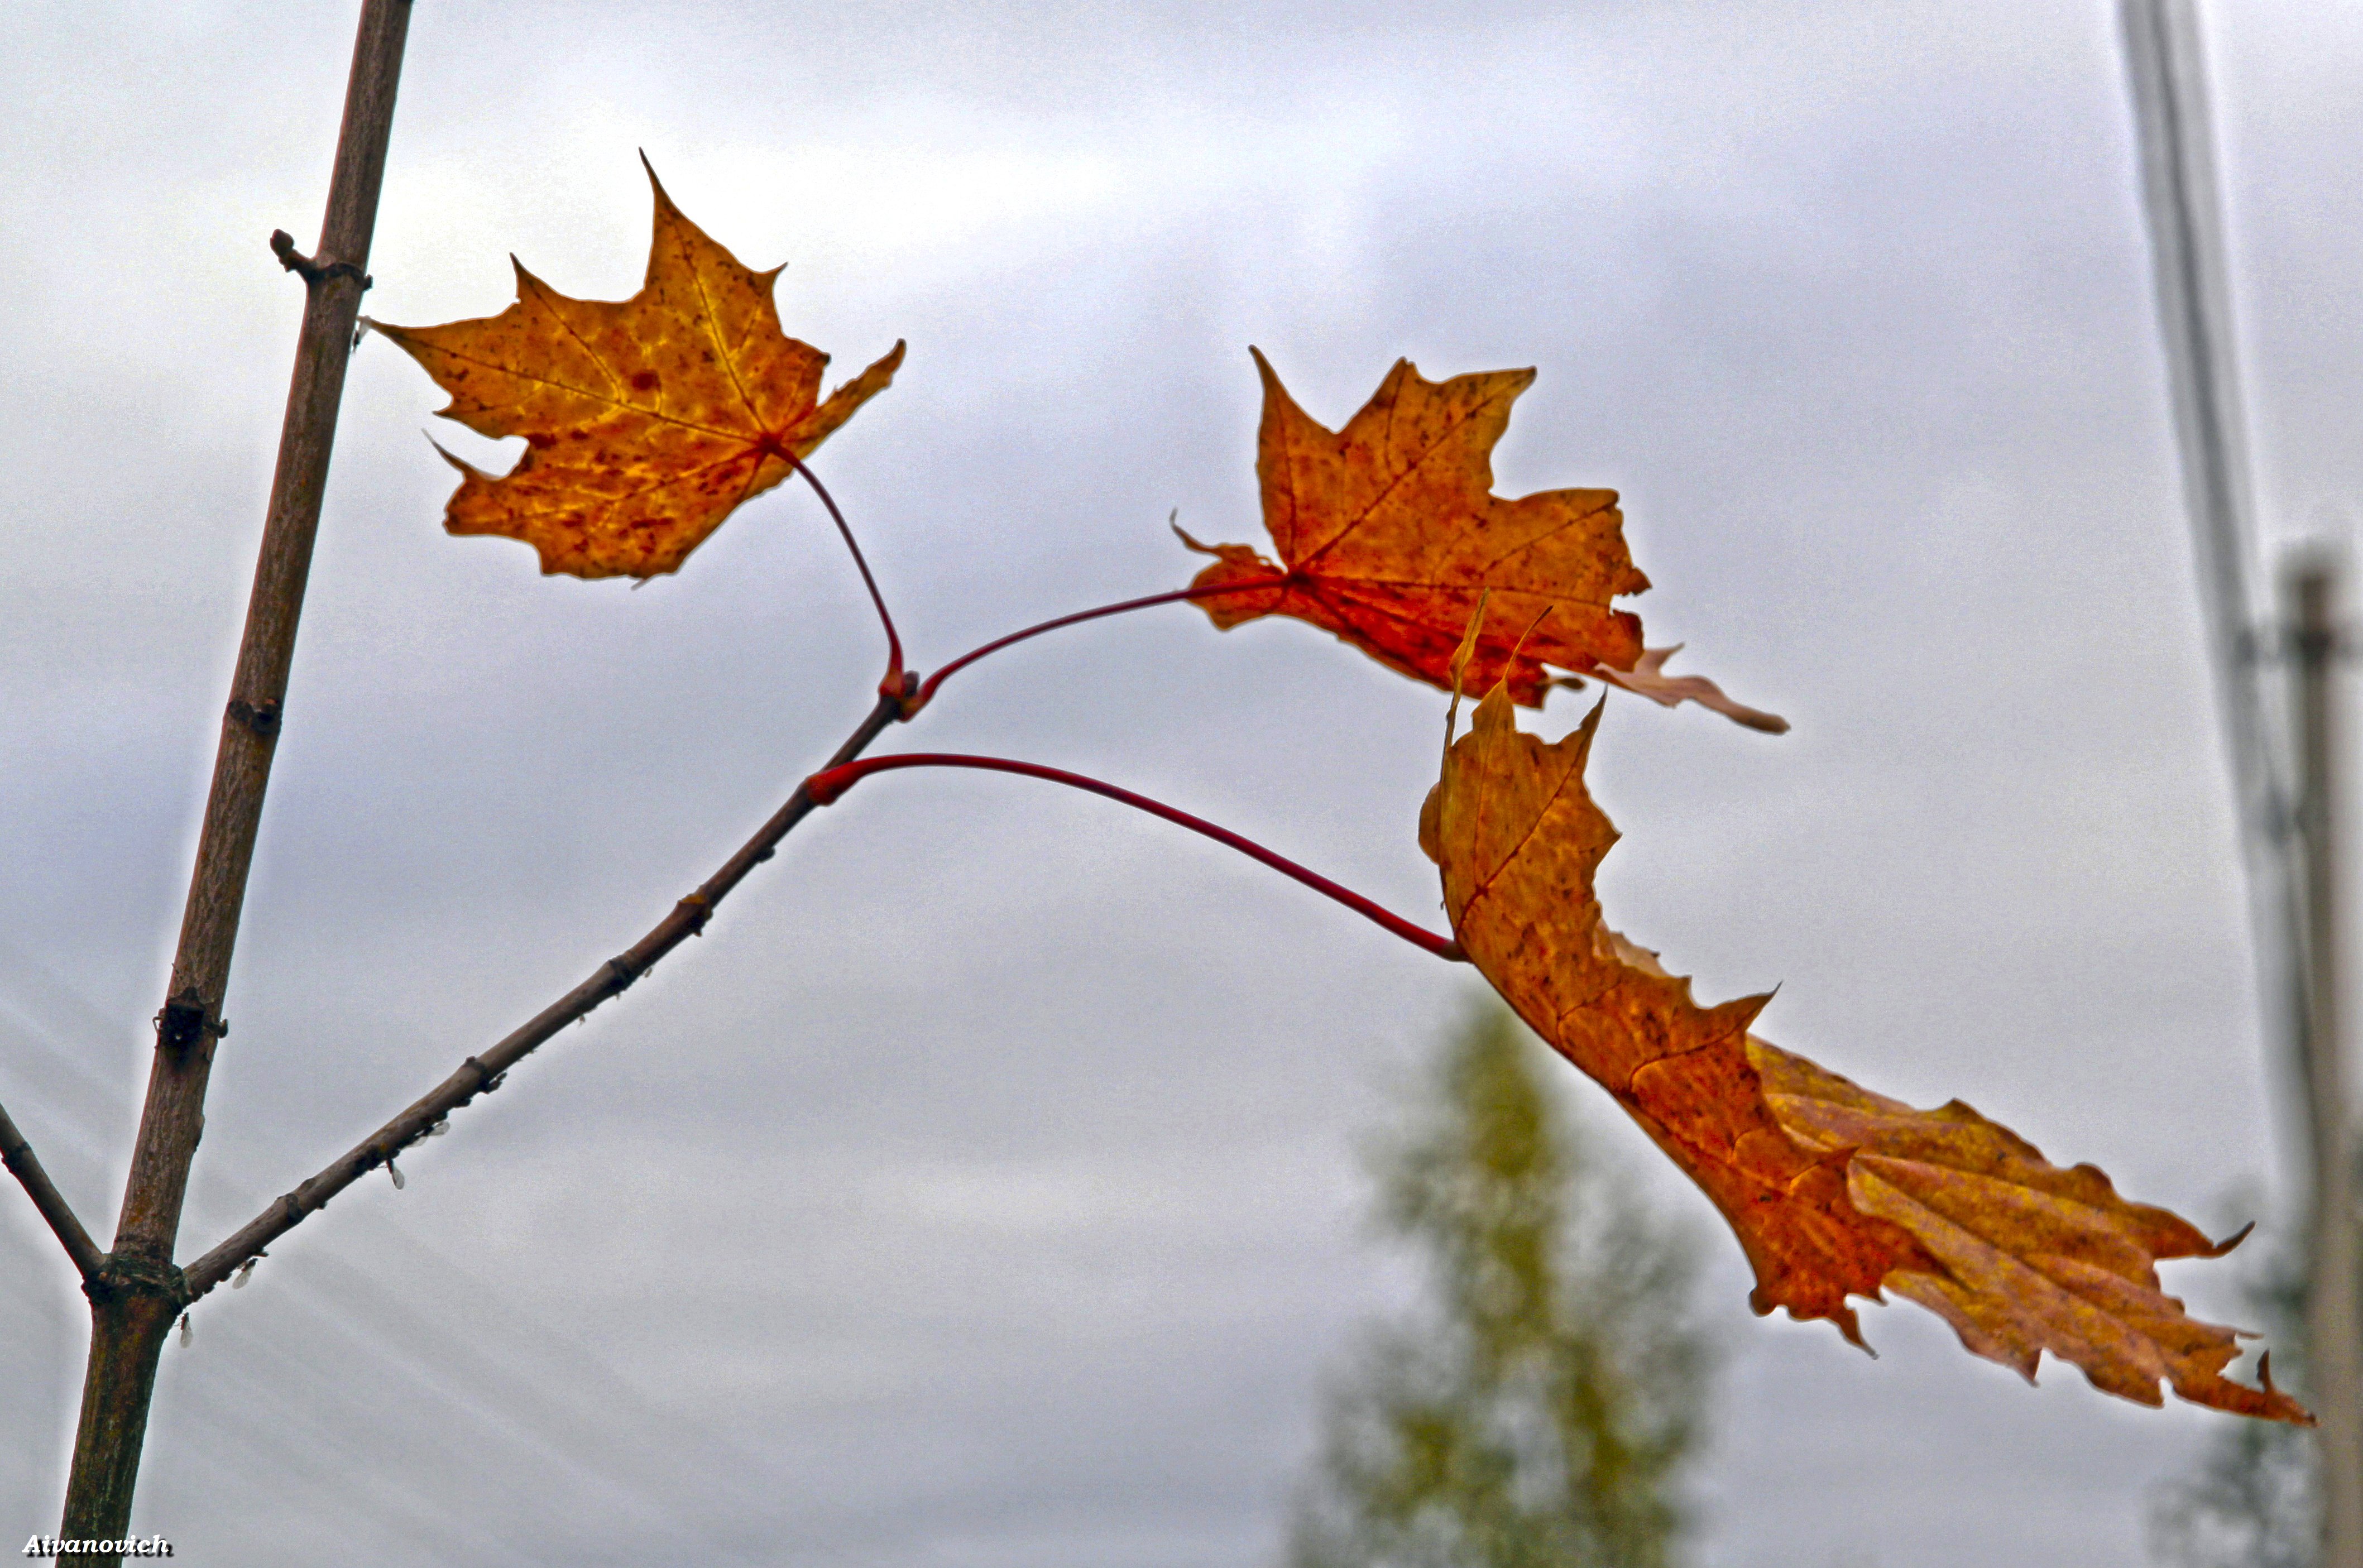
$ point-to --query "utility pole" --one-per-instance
(2334, 1345)
(2286, 838)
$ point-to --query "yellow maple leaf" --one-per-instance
(647, 420)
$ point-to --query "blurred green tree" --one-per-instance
(1540, 1406)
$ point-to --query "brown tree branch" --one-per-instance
(481, 1075)
(138, 1292)
(17, 1155)
(190, 1023)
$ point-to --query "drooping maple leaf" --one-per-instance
(2033, 1258)
(1831, 1190)
(647, 420)
(1388, 533)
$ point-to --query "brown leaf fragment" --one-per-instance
(648, 420)
(1833, 1191)
(1647, 678)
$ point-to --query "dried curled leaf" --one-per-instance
(1833, 1191)
(648, 420)
(1518, 840)
(1647, 678)
(2033, 1258)
(1389, 532)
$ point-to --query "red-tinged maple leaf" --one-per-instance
(1388, 533)
(1833, 1191)
(647, 420)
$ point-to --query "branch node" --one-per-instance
(262, 720)
(283, 245)
(621, 967)
(134, 1273)
(186, 1018)
(699, 909)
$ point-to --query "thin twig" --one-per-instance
(893, 682)
(481, 1075)
(927, 689)
(827, 785)
(17, 1155)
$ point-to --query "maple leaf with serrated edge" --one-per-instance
(1833, 1191)
(2033, 1258)
(1389, 532)
(647, 421)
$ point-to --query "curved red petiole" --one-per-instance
(927, 689)
(825, 787)
(893, 684)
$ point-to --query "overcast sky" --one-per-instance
(983, 1188)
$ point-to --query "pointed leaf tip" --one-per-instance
(2233, 1239)
(664, 200)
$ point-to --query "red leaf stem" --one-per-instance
(927, 689)
(893, 684)
(825, 787)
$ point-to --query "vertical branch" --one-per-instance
(190, 1022)
(135, 1299)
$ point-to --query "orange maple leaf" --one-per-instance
(1388, 533)
(1833, 1191)
(648, 420)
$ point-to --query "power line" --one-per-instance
(2180, 201)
